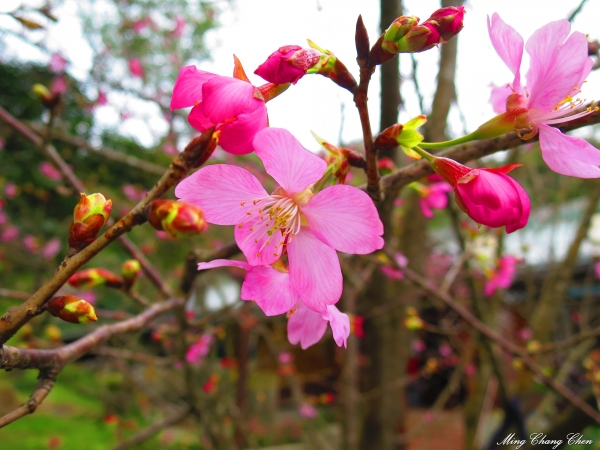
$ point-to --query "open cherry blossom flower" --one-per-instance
(233, 106)
(310, 227)
(559, 64)
(272, 290)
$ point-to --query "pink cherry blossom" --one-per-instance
(179, 26)
(88, 296)
(307, 411)
(288, 64)
(597, 269)
(488, 196)
(559, 64)
(49, 171)
(170, 150)
(51, 248)
(235, 107)
(31, 243)
(59, 85)
(271, 288)
(503, 276)
(196, 352)
(57, 63)
(10, 233)
(433, 196)
(391, 272)
(136, 68)
(11, 190)
(310, 227)
(285, 358)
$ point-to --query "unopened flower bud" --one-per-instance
(130, 271)
(177, 219)
(340, 159)
(414, 323)
(50, 97)
(406, 35)
(71, 309)
(89, 216)
(406, 136)
(94, 277)
(288, 64)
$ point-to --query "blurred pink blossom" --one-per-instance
(285, 358)
(445, 350)
(59, 85)
(503, 276)
(525, 334)
(597, 269)
(1, 143)
(51, 248)
(170, 150)
(49, 171)
(57, 63)
(198, 350)
(433, 197)
(391, 272)
(136, 68)
(11, 190)
(162, 235)
(179, 26)
(31, 243)
(88, 296)
(419, 346)
(307, 411)
(102, 98)
(10, 233)
(3, 218)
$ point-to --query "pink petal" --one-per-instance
(314, 270)
(495, 200)
(225, 97)
(340, 325)
(258, 247)
(508, 44)
(223, 263)
(292, 166)
(305, 326)
(220, 190)
(188, 87)
(198, 120)
(555, 71)
(498, 98)
(345, 218)
(425, 208)
(237, 136)
(569, 155)
(270, 289)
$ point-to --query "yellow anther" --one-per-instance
(249, 213)
(242, 203)
(256, 241)
(240, 227)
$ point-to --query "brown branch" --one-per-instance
(504, 343)
(153, 429)
(108, 153)
(122, 353)
(26, 358)
(392, 183)
(360, 100)
(45, 383)
(195, 154)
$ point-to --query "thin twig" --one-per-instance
(147, 433)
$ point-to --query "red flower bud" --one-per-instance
(71, 309)
(331, 67)
(94, 277)
(177, 219)
(89, 216)
(130, 271)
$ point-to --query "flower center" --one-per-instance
(276, 212)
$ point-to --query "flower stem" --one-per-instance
(428, 156)
(438, 145)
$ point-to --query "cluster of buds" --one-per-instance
(89, 216)
(406, 35)
(94, 277)
(404, 135)
(130, 272)
(71, 309)
(340, 159)
(177, 219)
(331, 67)
(412, 320)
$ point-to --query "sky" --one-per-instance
(253, 29)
